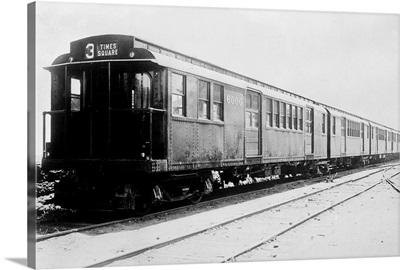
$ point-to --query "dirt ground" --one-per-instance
(366, 226)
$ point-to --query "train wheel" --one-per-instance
(198, 193)
(143, 204)
(196, 198)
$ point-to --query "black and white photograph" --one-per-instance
(174, 135)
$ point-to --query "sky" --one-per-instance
(346, 60)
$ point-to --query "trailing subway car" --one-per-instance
(133, 124)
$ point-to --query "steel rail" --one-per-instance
(260, 243)
(225, 222)
(390, 182)
(291, 227)
(153, 215)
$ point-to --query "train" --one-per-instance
(133, 124)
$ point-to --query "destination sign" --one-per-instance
(107, 49)
(102, 50)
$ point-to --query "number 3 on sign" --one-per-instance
(89, 52)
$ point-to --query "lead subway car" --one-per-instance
(132, 123)
(116, 129)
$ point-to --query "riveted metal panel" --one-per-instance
(210, 141)
(184, 141)
(283, 144)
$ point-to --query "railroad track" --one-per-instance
(168, 211)
(353, 189)
(224, 241)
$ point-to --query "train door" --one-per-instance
(343, 137)
(309, 131)
(370, 138)
(386, 144)
(98, 89)
(252, 145)
(392, 139)
(362, 137)
(330, 125)
(148, 116)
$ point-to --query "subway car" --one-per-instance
(133, 124)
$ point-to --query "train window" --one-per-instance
(301, 118)
(255, 103)
(352, 129)
(349, 127)
(269, 112)
(381, 133)
(255, 120)
(362, 136)
(358, 129)
(386, 140)
(157, 95)
(283, 115)
(248, 101)
(323, 123)
(355, 129)
(333, 125)
(343, 127)
(204, 100)
(276, 113)
(178, 94)
(218, 97)
(289, 116)
(248, 119)
(393, 140)
(140, 91)
(295, 111)
(75, 94)
(309, 120)
(252, 110)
